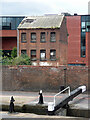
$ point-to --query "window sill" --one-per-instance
(83, 56)
(53, 59)
(33, 59)
(52, 41)
(33, 41)
(42, 41)
(43, 60)
(24, 42)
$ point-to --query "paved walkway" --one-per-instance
(30, 116)
(82, 101)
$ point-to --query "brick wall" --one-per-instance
(60, 45)
(74, 41)
(31, 78)
(8, 43)
(8, 33)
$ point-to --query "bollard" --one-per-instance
(11, 107)
(40, 97)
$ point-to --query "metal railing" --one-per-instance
(68, 88)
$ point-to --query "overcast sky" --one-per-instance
(41, 7)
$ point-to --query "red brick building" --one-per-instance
(78, 40)
(8, 30)
(9, 39)
(44, 39)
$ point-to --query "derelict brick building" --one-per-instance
(44, 40)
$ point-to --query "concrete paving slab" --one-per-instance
(81, 102)
(25, 116)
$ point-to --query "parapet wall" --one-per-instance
(34, 78)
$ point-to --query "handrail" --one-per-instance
(62, 92)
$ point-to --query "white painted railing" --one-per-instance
(51, 105)
(68, 88)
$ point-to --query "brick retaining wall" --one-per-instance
(34, 78)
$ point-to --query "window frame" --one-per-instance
(41, 35)
(51, 36)
(42, 51)
(33, 40)
(23, 53)
(33, 59)
(52, 56)
(23, 40)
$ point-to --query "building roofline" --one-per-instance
(81, 15)
(12, 16)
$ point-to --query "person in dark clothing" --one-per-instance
(40, 97)
(11, 107)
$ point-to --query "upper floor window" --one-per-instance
(42, 39)
(52, 54)
(42, 55)
(53, 37)
(33, 55)
(11, 23)
(23, 38)
(83, 25)
(33, 37)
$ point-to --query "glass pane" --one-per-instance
(52, 54)
(4, 20)
(18, 21)
(0, 23)
(52, 36)
(83, 24)
(33, 54)
(43, 37)
(13, 24)
(23, 51)
(33, 36)
(8, 19)
(23, 37)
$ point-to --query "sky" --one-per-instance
(41, 7)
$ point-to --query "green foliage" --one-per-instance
(14, 52)
(22, 60)
(14, 60)
(1, 53)
(6, 60)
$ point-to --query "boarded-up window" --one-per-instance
(23, 37)
(52, 36)
(33, 55)
(52, 54)
(42, 37)
(42, 54)
(33, 37)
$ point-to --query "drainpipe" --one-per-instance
(17, 42)
(65, 76)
